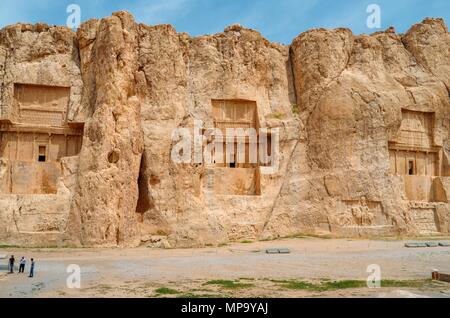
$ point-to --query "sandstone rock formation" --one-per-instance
(103, 208)
(363, 142)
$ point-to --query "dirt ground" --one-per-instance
(236, 270)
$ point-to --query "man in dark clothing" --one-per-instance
(11, 264)
(32, 268)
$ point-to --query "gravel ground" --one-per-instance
(137, 272)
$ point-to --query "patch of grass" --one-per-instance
(318, 236)
(37, 248)
(344, 284)
(298, 285)
(104, 287)
(322, 286)
(166, 291)
(295, 236)
(294, 284)
(228, 284)
(9, 246)
(327, 285)
(295, 109)
(246, 242)
(404, 283)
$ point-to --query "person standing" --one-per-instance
(32, 268)
(11, 264)
(22, 264)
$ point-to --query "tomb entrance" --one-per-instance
(241, 147)
(415, 157)
(34, 138)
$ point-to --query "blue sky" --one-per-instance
(277, 20)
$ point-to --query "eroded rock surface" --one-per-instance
(363, 126)
(103, 209)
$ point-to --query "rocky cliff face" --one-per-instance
(351, 92)
(363, 132)
(103, 210)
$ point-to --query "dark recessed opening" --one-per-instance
(411, 168)
(233, 162)
(42, 154)
(145, 202)
(113, 157)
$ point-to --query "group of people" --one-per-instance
(22, 265)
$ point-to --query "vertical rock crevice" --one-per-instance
(104, 205)
(144, 202)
